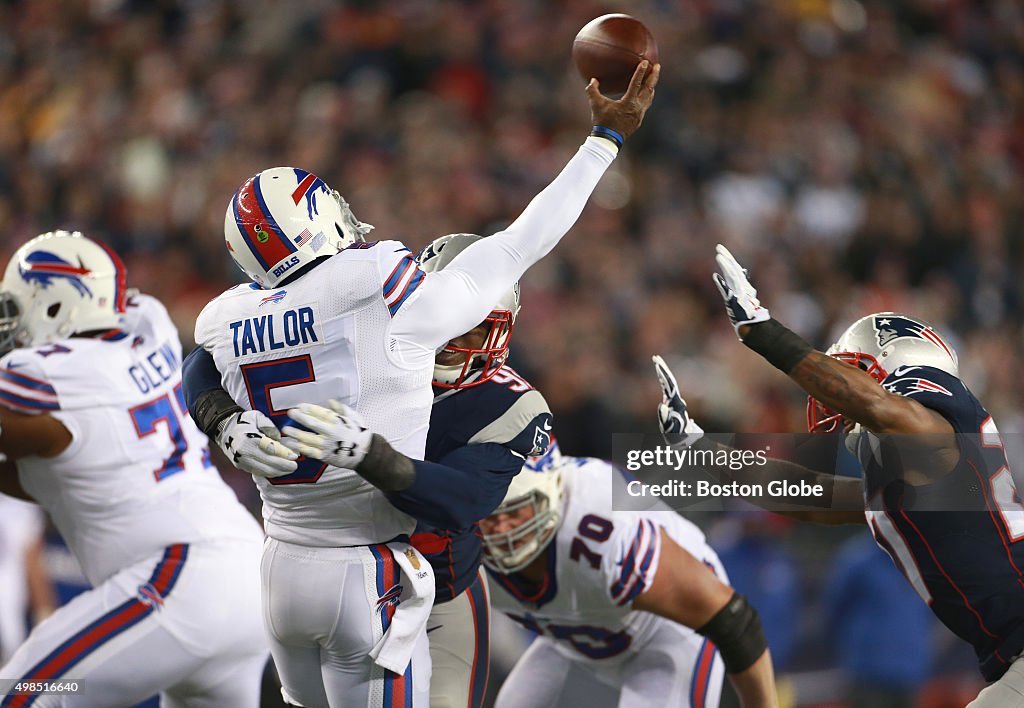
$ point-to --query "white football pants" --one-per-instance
(675, 667)
(325, 609)
(1007, 692)
(460, 650)
(184, 624)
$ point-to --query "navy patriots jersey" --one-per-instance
(960, 539)
(488, 429)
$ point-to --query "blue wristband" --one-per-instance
(600, 131)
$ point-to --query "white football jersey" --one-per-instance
(137, 476)
(602, 560)
(327, 335)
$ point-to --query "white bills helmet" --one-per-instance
(284, 218)
(539, 486)
(478, 363)
(59, 284)
(879, 344)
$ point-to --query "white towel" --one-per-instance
(394, 650)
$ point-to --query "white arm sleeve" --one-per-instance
(454, 300)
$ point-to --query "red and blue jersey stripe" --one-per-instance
(93, 636)
(702, 669)
(638, 562)
(704, 665)
(397, 689)
(403, 282)
(114, 335)
(26, 393)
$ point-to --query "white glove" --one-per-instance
(741, 303)
(336, 435)
(677, 427)
(250, 440)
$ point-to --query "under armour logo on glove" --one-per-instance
(677, 427)
(345, 447)
(741, 303)
(250, 440)
(335, 435)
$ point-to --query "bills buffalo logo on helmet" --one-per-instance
(309, 186)
(43, 267)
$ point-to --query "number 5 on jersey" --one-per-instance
(263, 377)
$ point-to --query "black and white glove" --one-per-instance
(336, 435)
(677, 427)
(741, 303)
(251, 441)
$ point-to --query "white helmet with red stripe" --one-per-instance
(879, 344)
(283, 218)
(60, 284)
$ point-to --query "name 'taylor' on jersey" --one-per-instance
(266, 332)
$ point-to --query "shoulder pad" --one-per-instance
(514, 420)
(938, 390)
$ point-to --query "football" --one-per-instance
(609, 47)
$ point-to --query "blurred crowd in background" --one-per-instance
(856, 155)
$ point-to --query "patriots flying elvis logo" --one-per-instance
(890, 327)
(308, 187)
(43, 267)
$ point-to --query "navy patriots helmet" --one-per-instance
(881, 344)
(472, 364)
